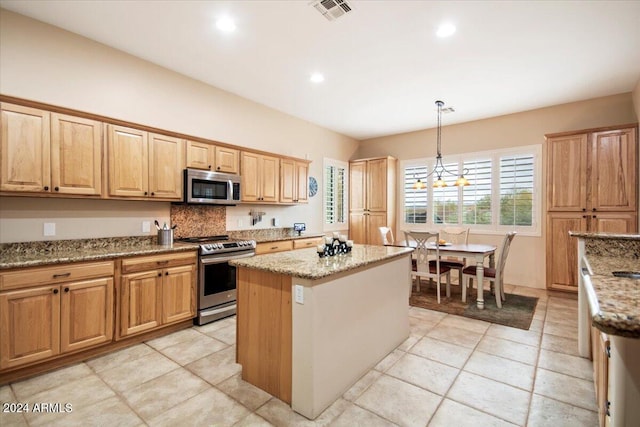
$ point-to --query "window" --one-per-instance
(335, 194)
(504, 192)
(415, 201)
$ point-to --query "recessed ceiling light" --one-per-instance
(316, 78)
(226, 24)
(445, 30)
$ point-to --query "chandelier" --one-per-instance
(439, 170)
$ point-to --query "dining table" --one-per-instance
(474, 251)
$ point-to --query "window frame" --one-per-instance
(337, 226)
(495, 155)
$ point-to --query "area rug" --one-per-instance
(517, 311)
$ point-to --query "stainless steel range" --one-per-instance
(216, 278)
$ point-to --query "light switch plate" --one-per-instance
(298, 294)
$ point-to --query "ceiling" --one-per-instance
(384, 67)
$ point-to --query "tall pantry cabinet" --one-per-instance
(592, 185)
(372, 198)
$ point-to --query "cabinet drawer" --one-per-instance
(269, 247)
(131, 265)
(54, 274)
(307, 243)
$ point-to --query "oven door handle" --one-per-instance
(213, 260)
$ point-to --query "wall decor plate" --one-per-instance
(313, 186)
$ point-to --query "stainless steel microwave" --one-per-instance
(212, 188)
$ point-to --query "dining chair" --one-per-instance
(494, 275)
(426, 252)
(387, 235)
(455, 235)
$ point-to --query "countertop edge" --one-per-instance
(57, 258)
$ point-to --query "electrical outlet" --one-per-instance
(239, 223)
(146, 226)
(298, 294)
(49, 229)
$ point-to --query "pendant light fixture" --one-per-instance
(439, 170)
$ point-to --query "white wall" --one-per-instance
(526, 265)
(43, 63)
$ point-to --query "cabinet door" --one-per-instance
(227, 160)
(165, 167)
(357, 186)
(562, 250)
(358, 227)
(377, 185)
(374, 221)
(178, 293)
(567, 173)
(29, 325)
(200, 155)
(287, 181)
(24, 149)
(270, 179)
(86, 314)
(141, 302)
(302, 182)
(614, 170)
(76, 155)
(613, 222)
(128, 162)
(250, 177)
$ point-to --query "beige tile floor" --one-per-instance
(451, 371)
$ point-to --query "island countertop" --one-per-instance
(615, 301)
(306, 264)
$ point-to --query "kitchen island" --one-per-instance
(611, 305)
(310, 327)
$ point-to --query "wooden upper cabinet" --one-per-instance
(614, 170)
(166, 164)
(260, 177)
(144, 165)
(567, 173)
(377, 179)
(76, 155)
(227, 160)
(294, 178)
(128, 161)
(200, 155)
(24, 149)
(211, 157)
(357, 186)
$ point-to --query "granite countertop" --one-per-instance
(614, 300)
(306, 264)
(270, 235)
(32, 254)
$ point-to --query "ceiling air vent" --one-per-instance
(332, 9)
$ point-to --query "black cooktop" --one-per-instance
(204, 239)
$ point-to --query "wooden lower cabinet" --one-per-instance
(364, 227)
(29, 325)
(310, 242)
(154, 297)
(86, 314)
(562, 249)
(600, 349)
(272, 247)
(46, 312)
(141, 302)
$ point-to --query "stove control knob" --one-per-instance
(219, 245)
(207, 247)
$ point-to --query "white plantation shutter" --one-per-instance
(415, 200)
(476, 197)
(516, 190)
(501, 195)
(445, 199)
(335, 193)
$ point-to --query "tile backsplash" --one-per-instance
(198, 220)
